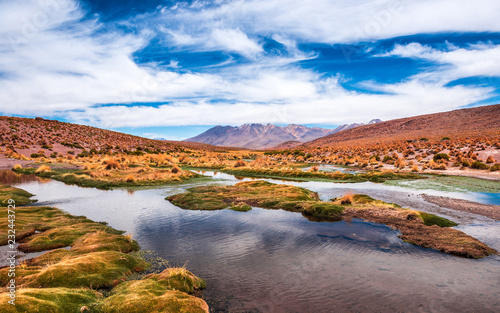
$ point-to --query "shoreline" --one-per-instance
(488, 210)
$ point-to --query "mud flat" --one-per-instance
(488, 210)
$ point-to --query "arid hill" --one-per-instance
(480, 121)
(27, 136)
(287, 145)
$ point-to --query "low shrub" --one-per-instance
(441, 156)
(479, 165)
(495, 167)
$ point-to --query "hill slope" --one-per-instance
(259, 136)
(459, 123)
(27, 136)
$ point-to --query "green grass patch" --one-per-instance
(322, 211)
(92, 270)
(297, 174)
(56, 228)
(49, 300)
(150, 295)
(431, 219)
(20, 197)
(240, 207)
(253, 193)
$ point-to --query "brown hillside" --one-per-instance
(286, 145)
(478, 121)
(27, 136)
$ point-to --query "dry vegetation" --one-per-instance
(453, 155)
(463, 140)
(25, 138)
(119, 170)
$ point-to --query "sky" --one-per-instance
(172, 69)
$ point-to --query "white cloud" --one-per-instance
(406, 99)
(476, 60)
(327, 21)
(235, 40)
(69, 63)
(223, 39)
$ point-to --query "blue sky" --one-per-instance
(173, 69)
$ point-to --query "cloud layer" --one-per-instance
(57, 59)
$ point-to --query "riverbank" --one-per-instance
(112, 177)
(93, 275)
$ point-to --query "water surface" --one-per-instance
(277, 261)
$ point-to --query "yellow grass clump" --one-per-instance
(42, 169)
(347, 198)
(111, 164)
(240, 163)
(129, 178)
(176, 169)
(313, 169)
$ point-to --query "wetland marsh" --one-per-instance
(278, 261)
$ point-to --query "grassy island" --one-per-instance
(418, 228)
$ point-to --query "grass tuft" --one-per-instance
(42, 169)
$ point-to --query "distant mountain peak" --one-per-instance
(263, 136)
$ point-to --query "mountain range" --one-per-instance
(264, 136)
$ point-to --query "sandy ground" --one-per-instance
(488, 210)
(60, 149)
(7, 164)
